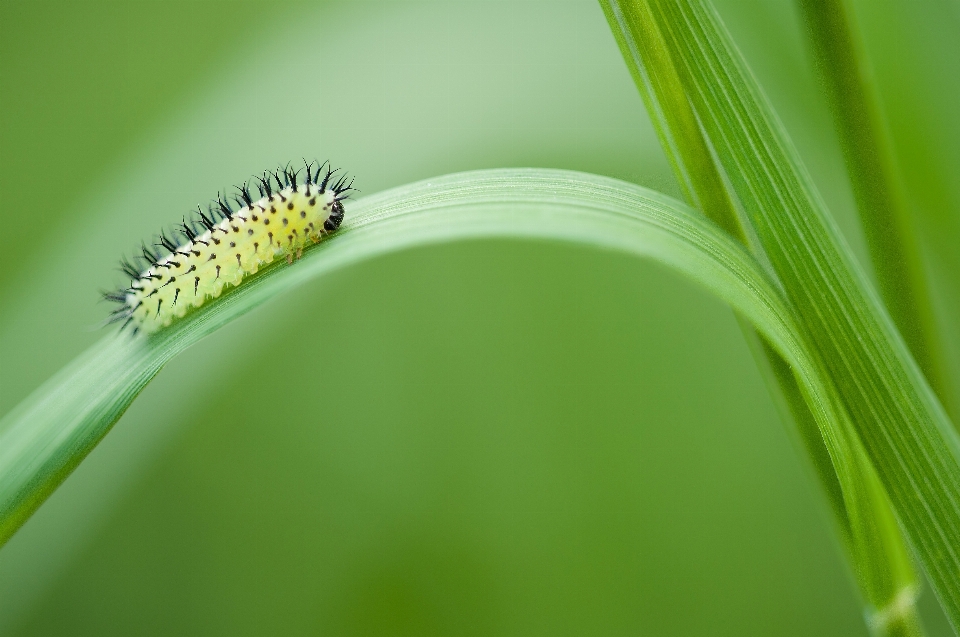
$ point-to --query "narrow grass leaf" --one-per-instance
(874, 545)
(906, 432)
(885, 214)
(49, 434)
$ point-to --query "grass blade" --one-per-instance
(52, 431)
(884, 212)
(908, 436)
(673, 117)
(874, 546)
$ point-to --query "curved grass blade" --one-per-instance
(53, 430)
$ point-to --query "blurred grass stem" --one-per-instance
(660, 85)
(855, 348)
(886, 217)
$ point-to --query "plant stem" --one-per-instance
(862, 513)
(899, 618)
(676, 124)
(885, 215)
(901, 424)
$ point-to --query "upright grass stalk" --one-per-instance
(873, 541)
(676, 124)
(902, 425)
(904, 429)
(877, 187)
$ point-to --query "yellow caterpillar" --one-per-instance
(223, 246)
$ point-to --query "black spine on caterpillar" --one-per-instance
(225, 211)
(149, 256)
(276, 178)
(245, 198)
(205, 221)
(309, 178)
(129, 269)
(264, 186)
(187, 231)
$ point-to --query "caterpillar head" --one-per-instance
(339, 190)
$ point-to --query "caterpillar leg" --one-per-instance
(299, 253)
(290, 258)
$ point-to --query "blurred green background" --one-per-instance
(483, 438)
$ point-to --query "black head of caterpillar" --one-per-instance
(231, 240)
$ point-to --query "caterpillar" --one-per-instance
(222, 246)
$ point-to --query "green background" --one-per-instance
(483, 438)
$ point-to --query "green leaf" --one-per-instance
(885, 214)
(875, 548)
(905, 430)
(51, 432)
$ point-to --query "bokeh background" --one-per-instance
(490, 437)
